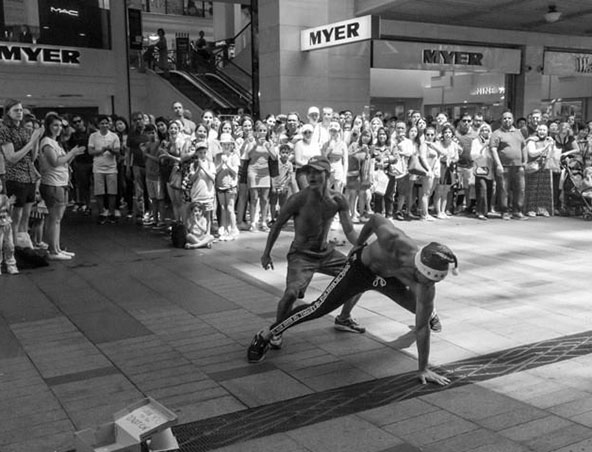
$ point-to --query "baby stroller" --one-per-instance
(577, 186)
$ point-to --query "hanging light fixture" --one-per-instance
(552, 15)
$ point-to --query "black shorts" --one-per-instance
(23, 191)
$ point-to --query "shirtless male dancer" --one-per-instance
(313, 210)
(392, 265)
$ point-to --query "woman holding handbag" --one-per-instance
(449, 151)
(538, 178)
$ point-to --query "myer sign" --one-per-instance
(338, 33)
(41, 55)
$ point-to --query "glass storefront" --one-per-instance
(72, 23)
(434, 78)
(178, 7)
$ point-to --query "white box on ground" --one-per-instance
(130, 427)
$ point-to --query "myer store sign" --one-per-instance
(338, 33)
(567, 64)
(39, 55)
(444, 57)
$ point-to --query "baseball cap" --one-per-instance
(226, 138)
(306, 128)
(319, 163)
(334, 126)
(201, 145)
(314, 109)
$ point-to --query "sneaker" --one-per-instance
(506, 216)
(399, 216)
(117, 213)
(481, 217)
(263, 227)
(41, 245)
(58, 257)
(435, 324)
(349, 325)
(442, 216)
(253, 228)
(13, 270)
(76, 208)
(520, 216)
(257, 349)
(531, 213)
(68, 253)
(276, 341)
(427, 218)
(545, 213)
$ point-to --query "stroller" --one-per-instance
(576, 183)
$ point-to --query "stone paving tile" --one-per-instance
(535, 428)
(512, 418)
(582, 446)
(206, 409)
(346, 434)
(559, 438)
(477, 440)
(265, 388)
(55, 441)
(396, 412)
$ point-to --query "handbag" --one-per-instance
(176, 179)
(534, 165)
(380, 183)
(415, 167)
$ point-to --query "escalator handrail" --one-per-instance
(243, 94)
(204, 88)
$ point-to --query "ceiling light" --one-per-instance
(552, 15)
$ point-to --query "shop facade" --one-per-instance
(410, 65)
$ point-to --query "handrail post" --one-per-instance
(255, 56)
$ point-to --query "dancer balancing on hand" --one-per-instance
(393, 265)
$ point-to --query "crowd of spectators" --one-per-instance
(222, 175)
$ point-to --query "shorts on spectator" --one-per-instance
(105, 184)
(54, 196)
(207, 206)
(155, 189)
(23, 191)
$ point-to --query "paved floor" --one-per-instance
(131, 316)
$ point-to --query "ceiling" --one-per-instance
(523, 15)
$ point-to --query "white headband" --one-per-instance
(428, 272)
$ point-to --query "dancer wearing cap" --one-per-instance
(312, 209)
(392, 265)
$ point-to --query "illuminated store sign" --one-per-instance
(567, 64)
(338, 33)
(43, 55)
(64, 11)
(444, 57)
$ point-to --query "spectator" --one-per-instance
(154, 186)
(105, 147)
(136, 138)
(82, 166)
(55, 177)
(509, 154)
(228, 162)
(539, 184)
(483, 166)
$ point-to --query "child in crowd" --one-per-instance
(155, 187)
(37, 221)
(280, 185)
(228, 162)
(198, 235)
(6, 239)
(202, 178)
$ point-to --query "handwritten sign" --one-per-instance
(142, 421)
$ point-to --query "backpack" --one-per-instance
(179, 235)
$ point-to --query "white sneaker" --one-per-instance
(12, 270)
(68, 253)
(117, 213)
(58, 257)
(104, 213)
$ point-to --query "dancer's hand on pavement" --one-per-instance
(266, 262)
(428, 375)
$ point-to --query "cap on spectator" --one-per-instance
(226, 138)
(313, 109)
(307, 128)
(319, 163)
(334, 126)
(201, 145)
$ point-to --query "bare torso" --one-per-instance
(313, 215)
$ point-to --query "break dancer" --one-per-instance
(392, 265)
(313, 210)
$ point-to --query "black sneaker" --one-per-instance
(435, 324)
(257, 349)
(349, 325)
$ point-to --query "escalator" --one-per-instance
(200, 92)
(227, 89)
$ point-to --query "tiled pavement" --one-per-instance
(131, 316)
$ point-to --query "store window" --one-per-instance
(567, 85)
(434, 78)
(178, 7)
(72, 23)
